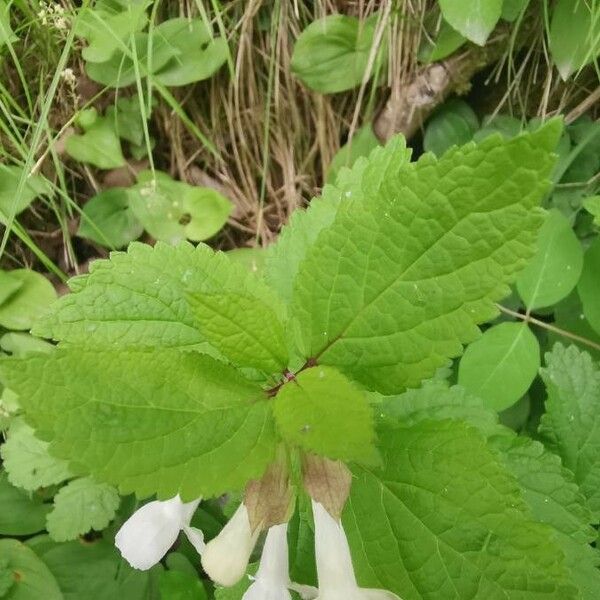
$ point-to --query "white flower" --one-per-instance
(272, 578)
(226, 557)
(334, 563)
(150, 531)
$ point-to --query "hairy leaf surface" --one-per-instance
(398, 283)
(164, 421)
(571, 424)
(137, 298)
(444, 519)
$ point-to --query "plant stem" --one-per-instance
(529, 319)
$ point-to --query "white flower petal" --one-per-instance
(264, 590)
(306, 592)
(272, 577)
(334, 562)
(196, 538)
(149, 533)
(226, 557)
(274, 562)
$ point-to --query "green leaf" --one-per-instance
(332, 53)
(106, 28)
(199, 55)
(505, 125)
(441, 43)
(570, 425)
(252, 259)
(592, 205)
(108, 219)
(362, 143)
(7, 35)
(119, 71)
(453, 125)
(243, 328)
(32, 579)
(571, 52)
(98, 146)
(27, 461)
(550, 491)
(82, 505)
(159, 421)
(589, 285)
(500, 366)
(88, 570)
(475, 19)
(21, 514)
(9, 284)
(444, 239)
(322, 412)
(126, 119)
(137, 298)
(173, 210)
(436, 401)
(556, 267)
(32, 300)
(547, 487)
(176, 585)
(285, 256)
(512, 9)
(444, 519)
(10, 202)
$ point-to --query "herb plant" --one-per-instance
(181, 375)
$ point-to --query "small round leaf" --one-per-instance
(500, 366)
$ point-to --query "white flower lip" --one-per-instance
(272, 578)
(226, 557)
(335, 572)
(150, 531)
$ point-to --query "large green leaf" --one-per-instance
(362, 143)
(137, 298)
(285, 256)
(571, 423)
(243, 328)
(9, 284)
(500, 366)
(158, 421)
(475, 19)
(444, 519)
(554, 498)
(332, 53)
(556, 266)
(574, 35)
(322, 412)
(398, 283)
(82, 505)
(547, 487)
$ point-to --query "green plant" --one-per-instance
(222, 381)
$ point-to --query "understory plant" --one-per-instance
(316, 397)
